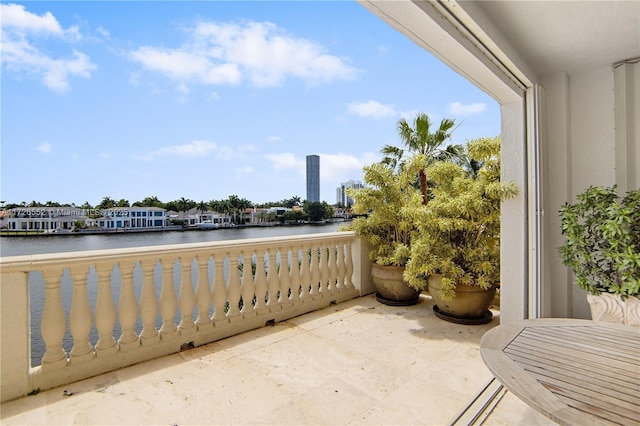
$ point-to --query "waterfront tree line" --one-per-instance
(232, 206)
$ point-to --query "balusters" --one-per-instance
(305, 273)
(105, 311)
(342, 270)
(315, 273)
(283, 276)
(349, 265)
(53, 322)
(168, 301)
(333, 267)
(261, 282)
(272, 280)
(203, 291)
(248, 288)
(294, 274)
(219, 293)
(233, 291)
(148, 303)
(80, 316)
(324, 269)
(186, 299)
(127, 307)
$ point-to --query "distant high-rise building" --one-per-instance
(313, 178)
(342, 198)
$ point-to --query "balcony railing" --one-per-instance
(153, 301)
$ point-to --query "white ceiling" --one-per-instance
(568, 35)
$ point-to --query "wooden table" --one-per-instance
(576, 372)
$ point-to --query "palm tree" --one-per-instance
(202, 208)
(184, 205)
(419, 140)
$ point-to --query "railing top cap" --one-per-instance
(16, 263)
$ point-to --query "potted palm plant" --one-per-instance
(385, 223)
(455, 252)
(602, 248)
(393, 192)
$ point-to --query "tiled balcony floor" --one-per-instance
(358, 362)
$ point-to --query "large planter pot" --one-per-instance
(392, 289)
(470, 306)
(611, 308)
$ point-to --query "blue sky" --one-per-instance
(207, 99)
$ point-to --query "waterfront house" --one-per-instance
(44, 219)
(567, 78)
(132, 218)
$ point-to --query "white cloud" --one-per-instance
(44, 147)
(20, 56)
(105, 155)
(198, 148)
(287, 161)
(457, 108)
(103, 32)
(372, 109)
(16, 18)
(340, 167)
(191, 149)
(274, 138)
(334, 168)
(230, 53)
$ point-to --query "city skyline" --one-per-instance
(209, 99)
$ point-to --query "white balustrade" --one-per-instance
(293, 275)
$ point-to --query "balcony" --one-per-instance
(311, 354)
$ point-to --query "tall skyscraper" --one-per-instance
(313, 178)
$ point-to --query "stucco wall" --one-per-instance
(579, 149)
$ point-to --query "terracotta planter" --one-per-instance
(611, 308)
(470, 306)
(392, 289)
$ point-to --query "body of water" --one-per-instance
(18, 246)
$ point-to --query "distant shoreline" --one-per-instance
(177, 228)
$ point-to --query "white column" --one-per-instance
(283, 276)
(247, 288)
(186, 299)
(219, 292)
(148, 303)
(272, 280)
(233, 291)
(105, 311)
(305, 272)
(53, 324)
(514, 271)
(294, 274)
(203, 291)
(260, 282)
(315, 271)
(127, 308)
(80, 316)
(168, 301)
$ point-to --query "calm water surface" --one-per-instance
(18, 246)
